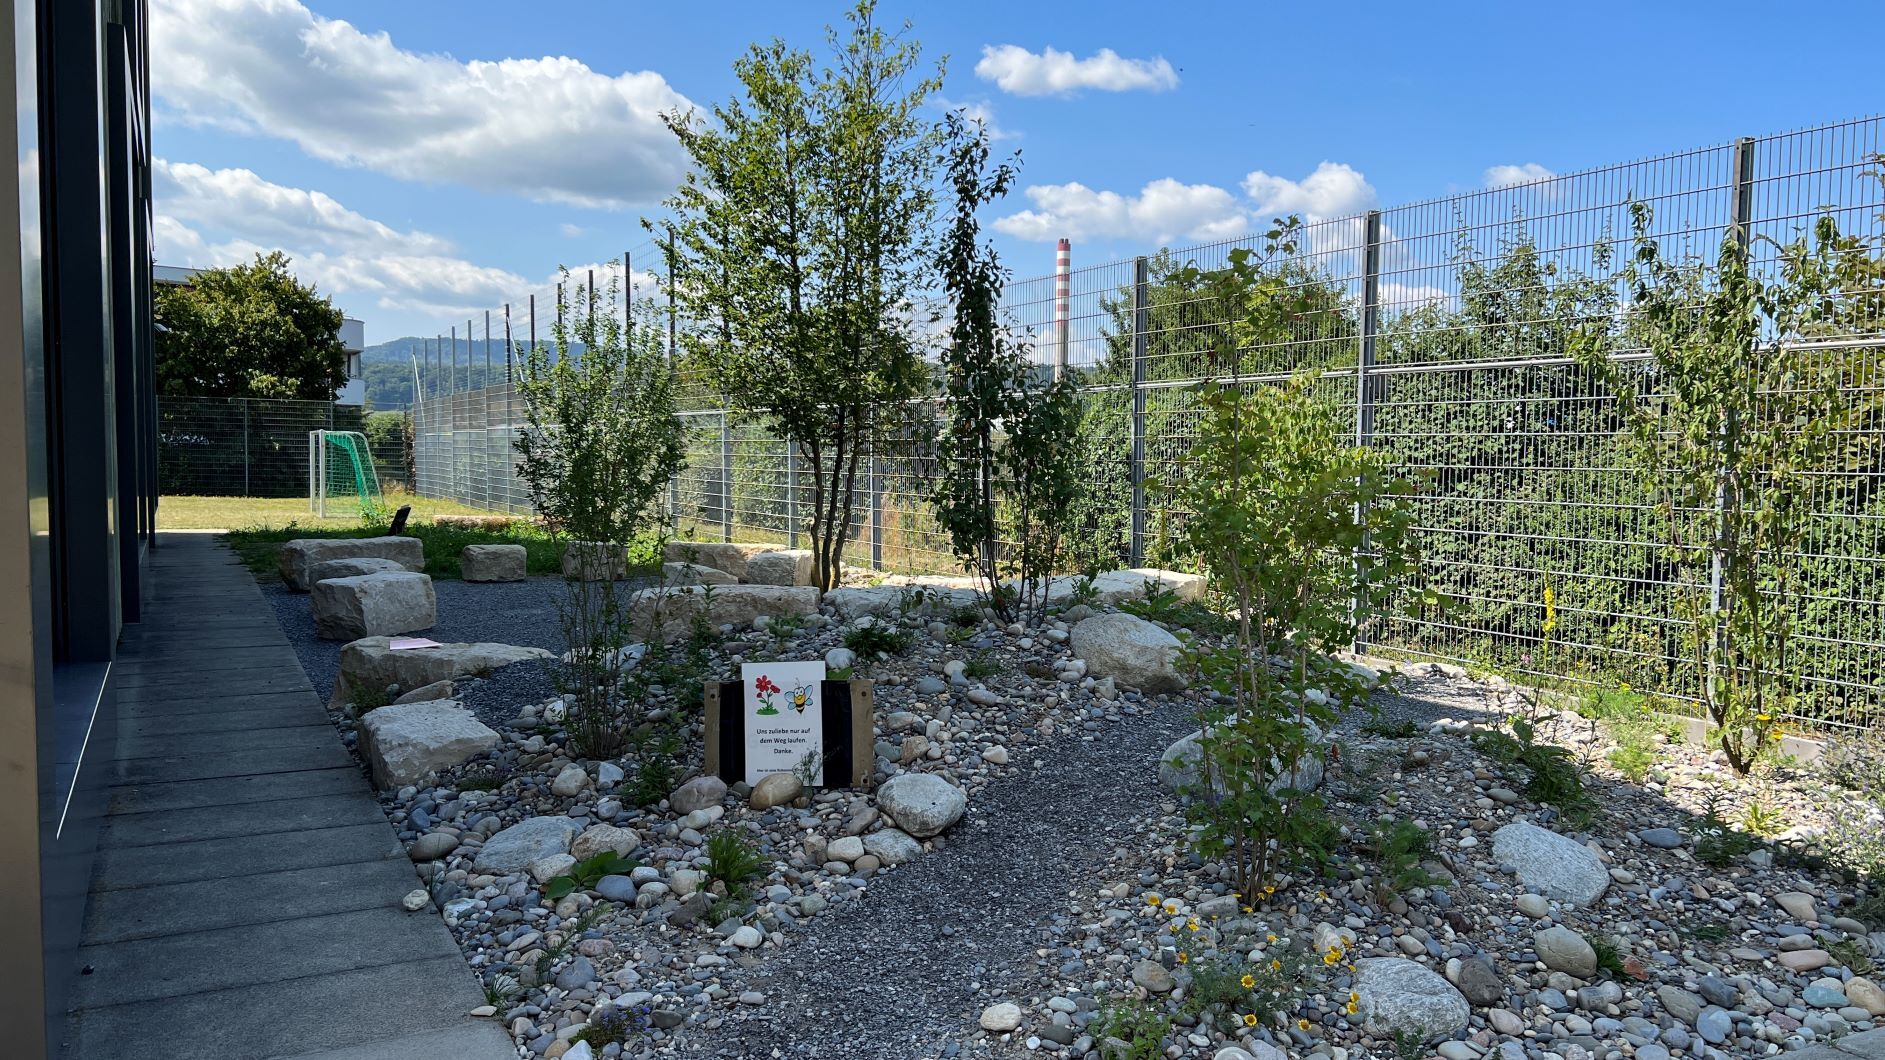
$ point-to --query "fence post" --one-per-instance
(245, 447)
(1740, 223)
(791, 493)
(726, 480)
(1141, 322)
(1365, 359)
(877, 512)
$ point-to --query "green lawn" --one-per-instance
(241, 513)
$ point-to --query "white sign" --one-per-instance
(785, 720)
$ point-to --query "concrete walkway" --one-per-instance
(246, 901)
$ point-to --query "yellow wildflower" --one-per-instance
(1249, 982)
(1192, 924)
(1302, 1024)
(1276, 966)
(1250, 1019)
(1183, 956)
(1152, 899)
(1352, 1008)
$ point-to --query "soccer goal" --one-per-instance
(340, 471)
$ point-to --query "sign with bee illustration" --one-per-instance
(784, 720)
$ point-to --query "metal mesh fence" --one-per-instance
(1443, 327)
(258, 447)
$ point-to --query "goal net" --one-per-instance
(341, 473)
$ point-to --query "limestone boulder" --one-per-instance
(892, 598)
(1550, 864)
(680, 574)
(371, 663)
(373, 605)
(1179, 766)
(922, 804)
(298, 557)
(786, 566)
(593, 561)
(726, 557)
(600, 837)
(672, 611)
(494, 563)
(350, 568)
(1133, 583)
(1130, 650)
(403, 742)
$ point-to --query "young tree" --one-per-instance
(601, 444)
(799, 234)
(249, 331)
(1306, 535)
(1739, 416)
(1004, 455)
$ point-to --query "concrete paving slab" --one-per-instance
(203, 905)
(242, 819)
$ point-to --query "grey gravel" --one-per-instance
(962, 916)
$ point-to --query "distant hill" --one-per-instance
(391, 367)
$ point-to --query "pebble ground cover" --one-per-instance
(1020, 880)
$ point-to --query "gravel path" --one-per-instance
(507, 612)
(895, 974)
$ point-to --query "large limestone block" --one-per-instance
(729, 557)
(892, 599)
(373, 605)
(786, 566)
(404, 742)
(722, 604)
(679, 574)
(1402, 998)
(1115, 586)
(350, 568)
(300, 555)
(922, 804)
(593, 561)
(493, 563)
(1130, 650)
(371, 663)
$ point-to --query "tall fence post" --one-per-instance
(877, 511)
(1364, 362)
(726, 480)
(245, 446)
(791, 493)
(1740, 225)
(1141, 322)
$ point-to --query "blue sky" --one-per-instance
(423, 160)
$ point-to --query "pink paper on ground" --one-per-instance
(404, 643)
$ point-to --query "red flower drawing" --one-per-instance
(764, 685)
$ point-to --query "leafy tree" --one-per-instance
(1306, 535)
(800, 232)
(249, 330)
(1003, 456)
(601, 443)
(1731, 430)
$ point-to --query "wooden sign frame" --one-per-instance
(849, 708)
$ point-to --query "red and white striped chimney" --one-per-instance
(1063, 284)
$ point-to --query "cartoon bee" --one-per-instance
(801, 696)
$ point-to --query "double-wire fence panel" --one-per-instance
(258, 447)
(1443, 331)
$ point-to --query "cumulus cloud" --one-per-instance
(1163, 210)
(1168, 209)
(1505, 176)
(207, 217)
(550, 129)
(1016, 70)
(1333, 189)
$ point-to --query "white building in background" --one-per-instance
(353, 335)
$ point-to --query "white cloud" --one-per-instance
(572, 231)
(1505, 176)
(1164, 210)
(550, 129)
(1333, 189)
(1024, 73)
(210, 217)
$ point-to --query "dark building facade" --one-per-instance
(77, 464)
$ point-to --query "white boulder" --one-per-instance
(727, 557)
(1402, 997)
(493, 563)
(1130, 650)
(786, 566)
(679, 574)
(298, 557)
(525, 843)
(922, 804)
(1550, 864)
(405, 741)
(371, 663)
(373, 605)
(673, 610)
(350, 568)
